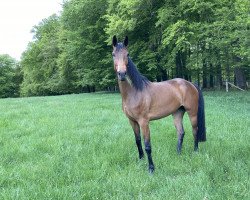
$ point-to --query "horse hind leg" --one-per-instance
(193, 120)
(178, 117)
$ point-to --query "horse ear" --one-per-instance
(125, 41)
(114, 41)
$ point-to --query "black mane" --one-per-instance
(139, 82)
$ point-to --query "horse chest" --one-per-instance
(134, 110)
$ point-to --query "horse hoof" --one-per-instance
(179, 151)
(151, 169)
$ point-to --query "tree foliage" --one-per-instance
(10, 77)
(39, 61)
(201, 41)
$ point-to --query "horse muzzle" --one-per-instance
(122, 76)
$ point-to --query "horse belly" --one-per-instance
(164, 101)
(163, 109)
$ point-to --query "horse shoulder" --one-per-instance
(136, 106)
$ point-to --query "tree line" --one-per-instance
(202, 41)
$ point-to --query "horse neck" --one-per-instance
(126, 89)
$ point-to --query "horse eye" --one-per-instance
(113, 54)
(128, 55)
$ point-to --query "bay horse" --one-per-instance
(143, 101)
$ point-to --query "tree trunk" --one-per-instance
(211, 77)
(164, 75)
(158, 78)
(198, 77)
(190, 78)
(178, 65)
(219, 76)
(204, 74)
(227, 66)
(161, 75)
(240, 77)
(183, 62)
(88, 89)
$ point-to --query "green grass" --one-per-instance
(82, 147)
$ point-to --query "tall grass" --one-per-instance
(82, 147)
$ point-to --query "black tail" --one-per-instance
(201, 133)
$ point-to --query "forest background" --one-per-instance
(206, 42)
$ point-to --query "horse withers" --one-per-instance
(143, 101)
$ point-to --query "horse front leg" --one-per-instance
(136, 129)
(146, 134)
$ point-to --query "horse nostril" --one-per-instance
(121, 75)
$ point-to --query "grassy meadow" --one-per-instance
(82, 147)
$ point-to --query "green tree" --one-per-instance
(137, 19)
(39, 61)
(82, 63)
(10, 76)
(201, 41)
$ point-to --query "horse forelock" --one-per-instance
(119, 46)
